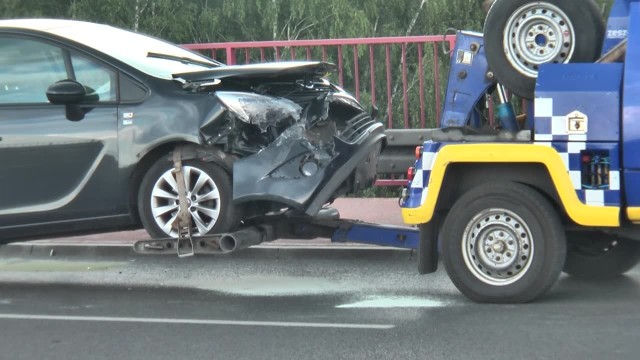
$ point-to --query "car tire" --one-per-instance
(503, 243)
(520, 35)
(158, 202)
(598, 256)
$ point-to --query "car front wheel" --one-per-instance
(209, 196)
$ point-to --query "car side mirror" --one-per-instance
(69, 93)
(66, 92)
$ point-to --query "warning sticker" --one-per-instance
(464, 57)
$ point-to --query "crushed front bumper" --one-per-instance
(305, 171)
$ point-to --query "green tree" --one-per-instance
(34, 8)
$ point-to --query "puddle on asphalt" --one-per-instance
(394, 302)
(273, 286)
(15, 265)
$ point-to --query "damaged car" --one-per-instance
(95, 120)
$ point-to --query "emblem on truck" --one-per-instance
(577, 123)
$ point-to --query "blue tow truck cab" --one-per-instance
(508, 205)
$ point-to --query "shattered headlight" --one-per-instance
(257, 109)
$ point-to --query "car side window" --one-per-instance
(99, 81)
(27, 68)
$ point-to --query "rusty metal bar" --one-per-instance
(231, 56)
(391, 182)
(356, 68)
(340, 69)
(389, 100)
(405, 97)
(436, 83)
(372, 75)
(421, 77)
(326, 42)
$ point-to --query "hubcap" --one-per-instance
(538, 33)
(497, 247)
(203, 201)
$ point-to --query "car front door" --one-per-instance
(53, 171)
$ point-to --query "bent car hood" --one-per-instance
(291, 68)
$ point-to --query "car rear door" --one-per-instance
(54, 171)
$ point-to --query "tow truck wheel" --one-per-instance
(520, 35)
(600, 256)
(503, 243)
(209, 193)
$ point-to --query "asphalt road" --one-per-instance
(303, 307)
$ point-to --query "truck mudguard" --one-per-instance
(585, 207)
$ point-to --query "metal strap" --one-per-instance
(183, 220)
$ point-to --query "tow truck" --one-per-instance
(509, 202)
(553, 189)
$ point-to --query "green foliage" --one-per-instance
(34, 8)
(188, 21)
(191, 21)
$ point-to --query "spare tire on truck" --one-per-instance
(521, 35)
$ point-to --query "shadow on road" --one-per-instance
(570, 289)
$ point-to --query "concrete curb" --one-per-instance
(52, 250)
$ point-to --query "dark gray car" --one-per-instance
(90, 116)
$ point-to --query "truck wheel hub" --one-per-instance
(536, 34)
(497, 246)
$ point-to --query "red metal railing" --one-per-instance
(391, 82)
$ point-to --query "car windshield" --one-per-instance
(134, 49)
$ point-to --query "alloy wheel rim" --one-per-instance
(203, 198)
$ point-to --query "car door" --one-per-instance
(54, 170)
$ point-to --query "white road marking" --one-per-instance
(393, 302)
(196, 321)
(271, 286)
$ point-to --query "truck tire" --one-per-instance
(598, 256)
(503, 243)
(520, 35)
